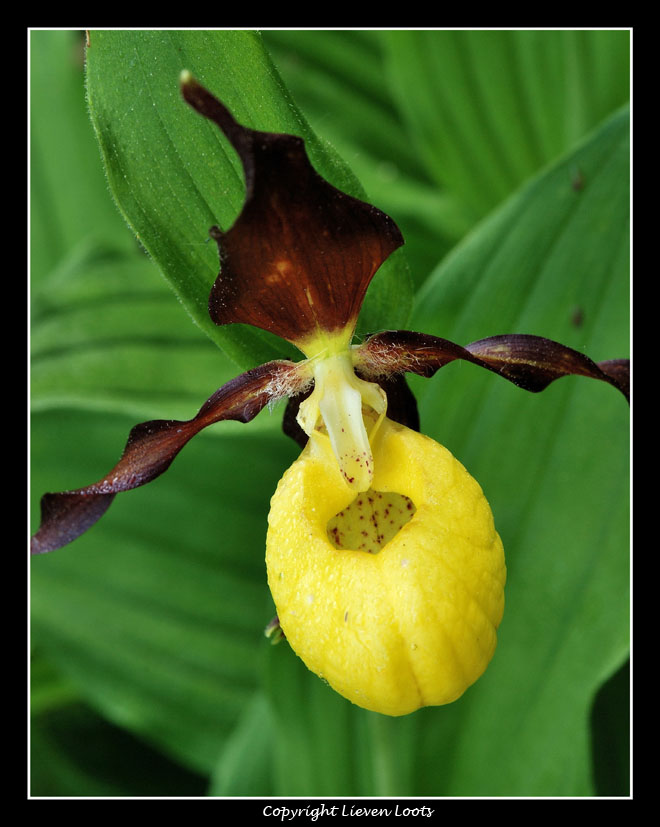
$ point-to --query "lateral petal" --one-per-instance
(530, 362)
(152, 446)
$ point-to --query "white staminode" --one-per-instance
(338, 397)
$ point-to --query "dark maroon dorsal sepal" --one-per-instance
(300, 256)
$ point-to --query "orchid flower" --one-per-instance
(383, 560)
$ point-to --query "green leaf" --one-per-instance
(610, 719)
(553, 261)
(77, 753)
(174, 175)
(108, 335)
(245, 766)
(337, 77)
(156, 615)
(69, 196)
(486, 109)
(325, 745)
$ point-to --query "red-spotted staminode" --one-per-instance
(383, 560)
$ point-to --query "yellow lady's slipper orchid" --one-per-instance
(383, 560)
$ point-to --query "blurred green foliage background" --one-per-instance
(504, 158)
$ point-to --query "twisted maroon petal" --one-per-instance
(151, 448)
(300, 256)
(530, 362)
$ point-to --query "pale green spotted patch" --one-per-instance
(370, 521)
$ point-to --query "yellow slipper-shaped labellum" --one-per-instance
(394, 595)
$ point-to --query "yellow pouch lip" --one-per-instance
(413, 625)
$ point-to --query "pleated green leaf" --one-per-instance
(487, 109)
(108, 335)
(157, 614)
(246, 762)
(553, 260)
(78, 753)
(69, 196)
